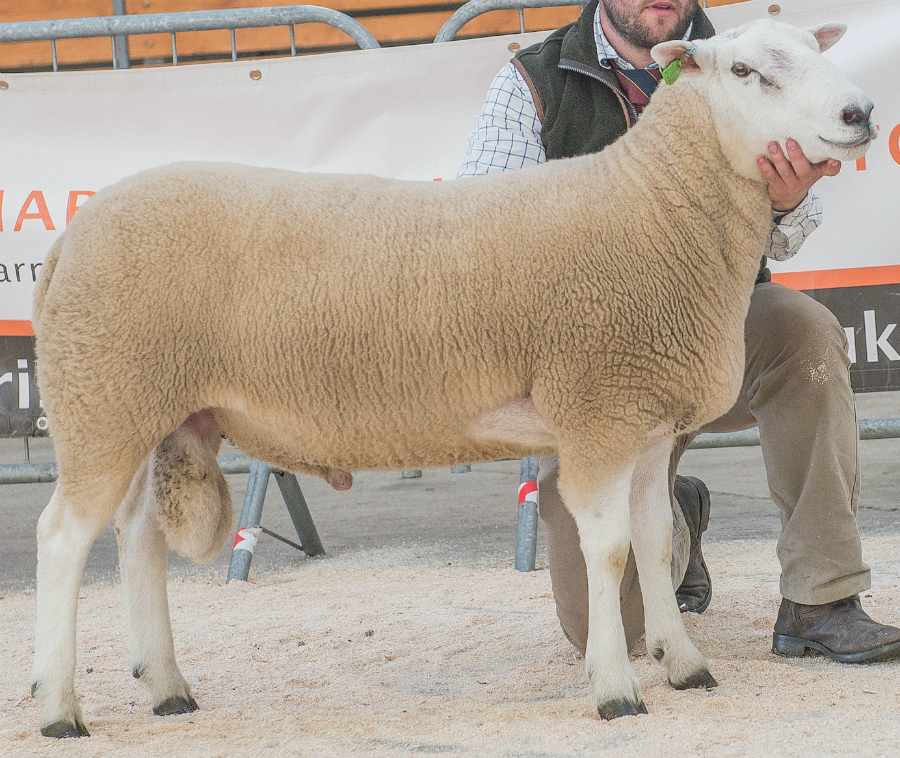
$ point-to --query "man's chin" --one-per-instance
(658, 30)
(659, 33)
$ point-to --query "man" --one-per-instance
(576, 93)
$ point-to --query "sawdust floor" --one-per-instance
(398, 653)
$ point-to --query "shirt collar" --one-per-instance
(607, 54)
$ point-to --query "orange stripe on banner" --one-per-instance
(16, 329)
(839, 277)
(798, 280)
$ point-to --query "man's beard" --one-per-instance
(626, 21)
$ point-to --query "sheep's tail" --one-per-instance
(43, 283)
(192, 497)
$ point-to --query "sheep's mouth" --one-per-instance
(859, 143)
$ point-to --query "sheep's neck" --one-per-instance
(676, 145)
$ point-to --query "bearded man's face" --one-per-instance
(645, 23)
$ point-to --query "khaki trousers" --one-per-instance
(796, 388)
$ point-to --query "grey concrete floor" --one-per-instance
(457, 518)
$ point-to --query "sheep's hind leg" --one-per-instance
(142, 564)
(651, 520)
(66, 530)
(601, 513)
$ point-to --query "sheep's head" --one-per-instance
(768, 81)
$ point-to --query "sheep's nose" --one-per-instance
(854, 115)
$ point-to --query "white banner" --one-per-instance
(399, 112)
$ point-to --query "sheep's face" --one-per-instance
(768, 81)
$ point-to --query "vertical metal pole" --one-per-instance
(53, 50)
(174, 51)
(522, 20)
(299, 512)
(27, 451)
(526, 534)
(233, 47)
(251, 512)
(115, 56)
(122, 41)
(293, 42)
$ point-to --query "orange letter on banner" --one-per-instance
(894, 144)
(73, 203)
(42, 213)
(861, 162)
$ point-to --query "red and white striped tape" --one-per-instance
(246, 538)
(528, 492)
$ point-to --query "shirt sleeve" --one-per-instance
(790, 230)
(507, 134)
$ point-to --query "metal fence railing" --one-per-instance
(117, 28)
(475, 8)
(869, 429)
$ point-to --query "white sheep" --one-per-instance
(333, 323)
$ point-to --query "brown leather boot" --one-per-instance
(842, 630)
(695, 591)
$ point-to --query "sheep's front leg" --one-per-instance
(651, 522)
(142, 565)
(601, 513)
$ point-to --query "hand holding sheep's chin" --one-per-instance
(790, 177)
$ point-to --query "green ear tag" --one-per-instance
(670, 73)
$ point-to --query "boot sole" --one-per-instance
(795, 647)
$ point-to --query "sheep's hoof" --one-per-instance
(621, 706)
(63, 730)
(176, 705)
(699, 680)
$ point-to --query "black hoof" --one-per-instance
(176, 705)
(63, 730)
(612, 709)
(699, 680)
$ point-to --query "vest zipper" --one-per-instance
(579, 68)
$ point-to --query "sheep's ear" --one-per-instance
(694, 56)
(827, 34)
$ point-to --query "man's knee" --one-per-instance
(785, 325)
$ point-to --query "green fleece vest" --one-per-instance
(580, 104)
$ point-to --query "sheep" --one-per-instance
(327, 324)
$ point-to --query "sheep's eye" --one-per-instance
(741, 69)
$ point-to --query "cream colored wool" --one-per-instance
(338, 322)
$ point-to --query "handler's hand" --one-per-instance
(791, 176)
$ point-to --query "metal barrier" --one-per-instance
(869, 429)
(117, 28)
(37, 473)
(477, 7)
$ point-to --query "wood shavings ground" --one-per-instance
(396, 653)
